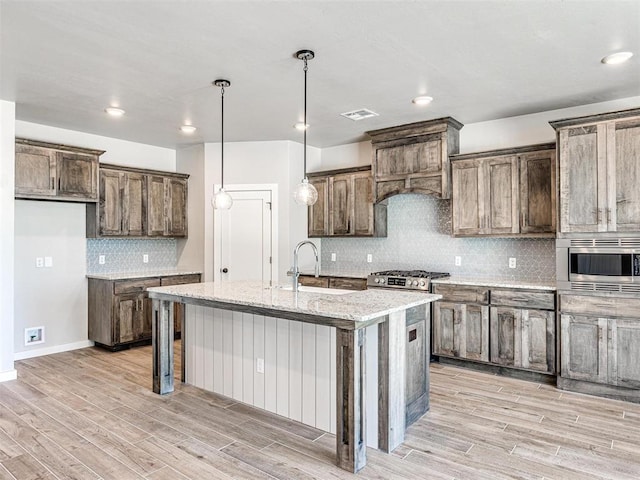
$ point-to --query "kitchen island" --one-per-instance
(401, 319)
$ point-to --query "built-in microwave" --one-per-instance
(604, 264)
(601, 264)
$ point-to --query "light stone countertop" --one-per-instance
(354, 306)
(149, 274)
(496, 283)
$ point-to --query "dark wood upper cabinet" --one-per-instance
(139, 203)
(414, 158)
(599, 160)
(345, 205)
(505, 193)
(47, 171)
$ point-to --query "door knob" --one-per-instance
(225, 270)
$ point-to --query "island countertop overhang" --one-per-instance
(349, 311)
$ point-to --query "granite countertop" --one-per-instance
(149, 274)
(496, 282)
(326, 272)
(354, 306)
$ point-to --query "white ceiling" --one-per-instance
(63, 62)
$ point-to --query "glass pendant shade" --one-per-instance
(222, 200)
(305, 193)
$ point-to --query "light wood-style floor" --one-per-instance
(91, 414)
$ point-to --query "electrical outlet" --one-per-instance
(48, 262)
(145, 258)
(33, 335)
(39, 262)
(101, 259)
(512, 262)
(333, 257)
(458, 260)
(260, 365)
(369, 258)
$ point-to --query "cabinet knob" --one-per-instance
(225, 270)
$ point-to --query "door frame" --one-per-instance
(217, 240)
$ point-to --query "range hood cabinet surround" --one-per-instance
(414, 158)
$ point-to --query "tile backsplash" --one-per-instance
(126, 255)
(418, 238)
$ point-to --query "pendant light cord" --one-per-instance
(222, 139)
(305, 117)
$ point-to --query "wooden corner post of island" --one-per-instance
(162, 341)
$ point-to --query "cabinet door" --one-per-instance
(110, 206)
(623, 170)
(623, 348)
(506, 337)
(362, 224)
(583, 179)
(176, 207)
(461, 330)
(468, 192)
(35, 171)
(538, 192)
(318, 221)
(134, 204)
(584, 348)
(502, 195)
(77, 175)
(341, 205)
(538, 340)
(129, 324)
(156, 214)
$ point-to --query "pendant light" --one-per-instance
(222, 200)
(305, 193)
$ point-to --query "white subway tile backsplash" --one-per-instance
(419, 230)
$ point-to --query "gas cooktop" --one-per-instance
(406, 279)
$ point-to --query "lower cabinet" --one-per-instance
(120, 310)
(601, 350)
(508, 327)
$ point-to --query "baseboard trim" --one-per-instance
(38, 352)
(8, 375)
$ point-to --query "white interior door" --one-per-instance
(245, 237)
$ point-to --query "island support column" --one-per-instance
(351, 446)
(162, 340)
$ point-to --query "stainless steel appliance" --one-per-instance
(404, 279)
(601, 264)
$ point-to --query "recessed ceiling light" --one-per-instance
(616, 58)
(114, 111)
(301, 126)
(422, 100)
(188, 129)
(360, 114)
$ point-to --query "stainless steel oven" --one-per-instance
(606, 263)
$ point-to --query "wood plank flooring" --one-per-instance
(91, 414)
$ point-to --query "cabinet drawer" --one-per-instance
(523, 298)
(180, 279)
(596, 306)
(348, 283)
(463, 293)
(311, 281)
(132, 286)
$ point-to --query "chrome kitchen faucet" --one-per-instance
(295, 272)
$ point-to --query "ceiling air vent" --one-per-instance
(360, 114)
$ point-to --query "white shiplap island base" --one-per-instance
(229, 325)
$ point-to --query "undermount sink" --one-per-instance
(322, 290)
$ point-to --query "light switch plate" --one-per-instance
(458, 260)
(145, 258)
(512, 262)
(39, 262)
(333, 257)
(260, 365)
(369, 258)
(48, 262)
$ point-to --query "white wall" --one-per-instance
(7, 147)
(530, 129)
(59, 228)
(278, 162)
(343, 156)
(191, 250)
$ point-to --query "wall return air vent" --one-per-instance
(359, 114)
